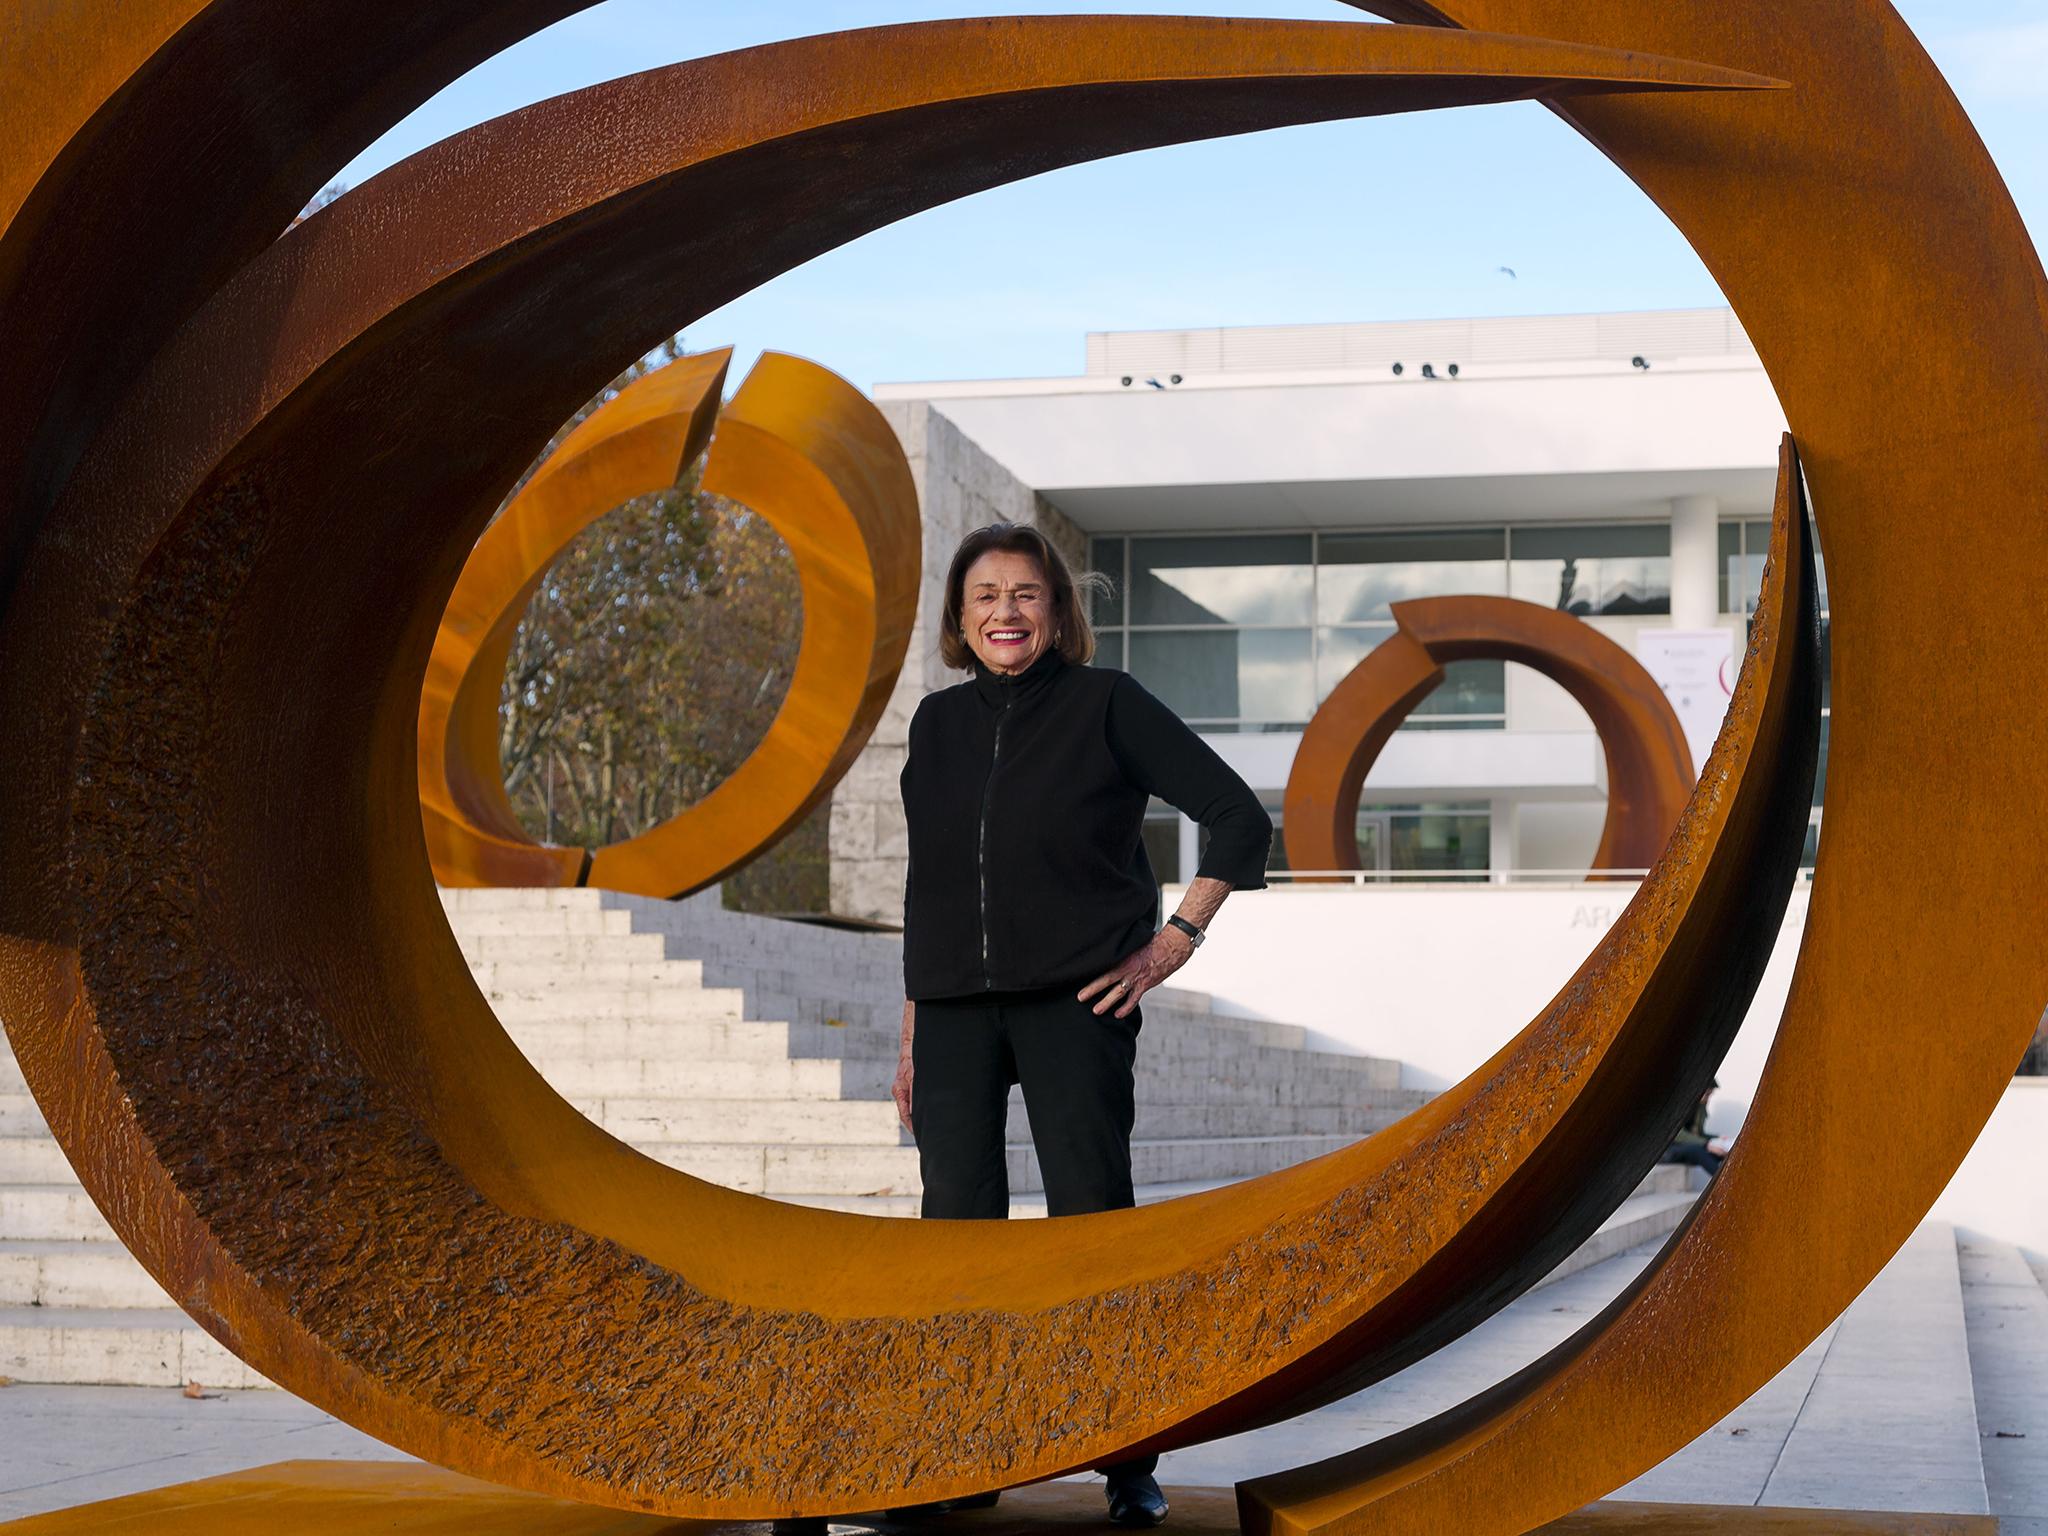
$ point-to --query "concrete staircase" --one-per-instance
(799, 1108)
(750, 1051)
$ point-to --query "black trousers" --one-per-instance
(1075, 1067)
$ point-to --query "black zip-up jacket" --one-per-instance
(1025, 796)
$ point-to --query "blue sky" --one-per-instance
(1394, 218)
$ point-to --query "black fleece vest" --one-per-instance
(1026, 865)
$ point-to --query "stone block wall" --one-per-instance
(959, 488)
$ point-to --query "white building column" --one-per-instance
(1504, 826)
(1190, 847)
(1695, 562)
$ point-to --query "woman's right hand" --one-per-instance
(900, 1089)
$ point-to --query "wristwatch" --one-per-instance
(1195, 935)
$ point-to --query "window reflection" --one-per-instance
(1342, 649)
(1745, 546)
(1728, 566)
(1247, 674)
(1614, 569)
(1361, 575)
(1252, 579)
(1441, 839)
(1449, 840)
(1107, 556)
(1469, 688)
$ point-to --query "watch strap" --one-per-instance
(1195, 935)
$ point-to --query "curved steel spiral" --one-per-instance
(222, 960)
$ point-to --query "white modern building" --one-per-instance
(1259, 496)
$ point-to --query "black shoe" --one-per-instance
(803, 1525)
(1136, 1500)
(944, 1506)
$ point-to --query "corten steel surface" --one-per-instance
(350, 1498)
(1649, 767)
(225, 972)
(813, 456)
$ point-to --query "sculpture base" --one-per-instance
(355, 1498)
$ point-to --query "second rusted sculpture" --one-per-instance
(1649, 768)
(799, 445)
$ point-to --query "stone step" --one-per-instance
(530, 948)
(2006, 1314)
(87, 1273)
(458, 902)
(115, 1347)
(33, 1160)
(547, 1041)
(1891, 1422)
(43, 1213)
(834, 1122)
(1645, 1217)
(19, 1115)
(1176, 1161)
(580, 975)
(1660, 1184)
(798, 1170)
(11, 1079)
(543, 922)
(600, 1004)
(1157, 1121)
(683, 1082)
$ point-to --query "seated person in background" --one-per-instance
(1692, 1145)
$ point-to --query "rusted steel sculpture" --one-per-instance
(1649, 767)
(223, 965)
(813, 456)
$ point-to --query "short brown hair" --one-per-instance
(1073, 635)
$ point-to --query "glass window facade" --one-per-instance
(1613, 569)
(1360, 576)
(1744, 547)
(1242, 580)
(1251, 632)
(1453, 840)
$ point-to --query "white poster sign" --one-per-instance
(1696, 670)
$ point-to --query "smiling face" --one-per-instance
(1006, 611)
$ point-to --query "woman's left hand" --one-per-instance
(1165, 953)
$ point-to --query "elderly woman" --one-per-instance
(1030, 927)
